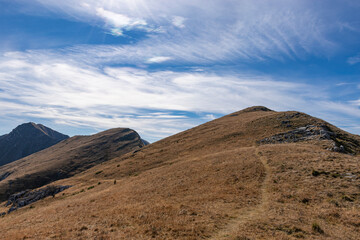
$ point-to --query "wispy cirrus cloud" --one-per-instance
(89, 85)
(279, 30)
(354, 60)
(119, 22)
(179, 21)
(356, 102)
(157, 104)
(158, 59)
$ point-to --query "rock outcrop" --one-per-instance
(306, 133)
(24, 198)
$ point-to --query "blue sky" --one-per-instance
(161, 67)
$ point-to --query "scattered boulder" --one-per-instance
(27, 197)
(336, 148)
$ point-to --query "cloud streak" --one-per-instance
(190, 31)
(157, 104)
(354, 60)
(159, 59)
(168, 80)
(179, 21)
(120, 22)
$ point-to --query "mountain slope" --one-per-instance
(66, 159)
(26, 139)
(254, 174)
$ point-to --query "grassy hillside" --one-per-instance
(66, 159)
(254, 174)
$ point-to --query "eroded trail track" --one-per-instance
(253, 213)
(209, 182)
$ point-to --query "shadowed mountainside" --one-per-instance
(65, 159)
(27, 139)
(254, 174)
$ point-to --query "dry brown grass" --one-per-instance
(66, 159)
(210, 182)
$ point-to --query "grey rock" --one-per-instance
(336, 148)
(306, 133)
(24, 198)
(309, 132)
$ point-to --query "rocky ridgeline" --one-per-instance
(309, 132)
(27, 197)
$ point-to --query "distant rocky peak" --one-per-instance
(32, 129)
(26, 139)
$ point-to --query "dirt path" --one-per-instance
(248, 214)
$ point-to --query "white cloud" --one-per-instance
(278, 30)
(154, 103)
(178, 21)
(209, 117)
(119, 21)
(354, 60)
(159, 59)
(85, 5)
(356, 102)
(67, 85)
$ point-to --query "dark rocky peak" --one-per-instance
(30, 130)
(27, 139)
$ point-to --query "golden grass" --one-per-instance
(210, 182)
(67, 158)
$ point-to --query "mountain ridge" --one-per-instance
(65, 159)
(218, 181)
(26, 139)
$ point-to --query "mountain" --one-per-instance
(145, 142)
(253, 174)
(66, 159)
(27, 139)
